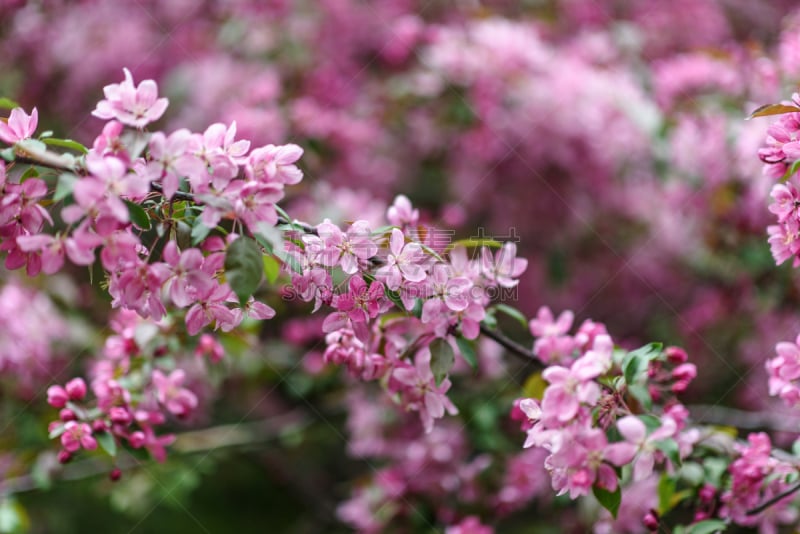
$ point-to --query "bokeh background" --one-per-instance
(607, 136)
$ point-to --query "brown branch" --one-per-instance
(190, 442)
(509, 344)
(512, 346)
(722, 415)
(776, 499)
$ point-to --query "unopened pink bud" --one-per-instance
(64, 456)
(99, 426)
(137, 439)
(57, 396)
(115, 474)
(76, 389)
(650, 520)
(685, 372)
(676, 355)
(67, 415)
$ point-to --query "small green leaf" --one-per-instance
(635, 362)
(641, 393)
(289, 260)
(791, 171)
(442, 359)
(666, 488)
(272, 268)
(513, 313)
(534, 386)
(773, 109)
(609, 499)
(474, 242)
(138, 215)
(199, 232)
(7, 103)
(383, 230)
(107, 442)
(66, 143)
(467, 350)
(32, 172)
(651, 422)
(66, 182)
(8, 154)
(709, 526)
(244, 267)
(56, 432)
(44, 135)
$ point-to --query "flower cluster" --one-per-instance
(137, 386)
(129, 178)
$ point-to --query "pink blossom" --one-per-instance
(639, 443)
(275, 164)
(174, 157)
(402, 262)
(130, 105)
(569, 388)
(77, 435)
(188, 281)
(504, 267)
(420, 392)
(171, 393)
(20, 126)
(401, 213)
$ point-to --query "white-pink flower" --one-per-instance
(20, 126)
(402, 262)
(131, 105)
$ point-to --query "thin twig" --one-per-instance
(760, 508)
(723, 415)
(512, 346)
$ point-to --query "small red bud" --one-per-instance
(650, 520)
(115, 474)
(64, 456)
(67, 415)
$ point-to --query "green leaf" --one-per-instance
(635, 362)
(272, 268)
(32, 172)
(66, 182)
(7, 103)
(56, 432)
(666, 488)
(534, 386)
(138, 215)
(244, 267)
(442, 359)
(107, 442)
(474, 242)
(641, 393)
(289, 260)
(709, 526)
(609, 499)
(513, 313)
(651, 422)
(383, 230)
(670, 449)
(66, 143)
(46, 134)
(791, 171)
(467, 350)
(199, 232)
(8, 154)
(773, 109)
